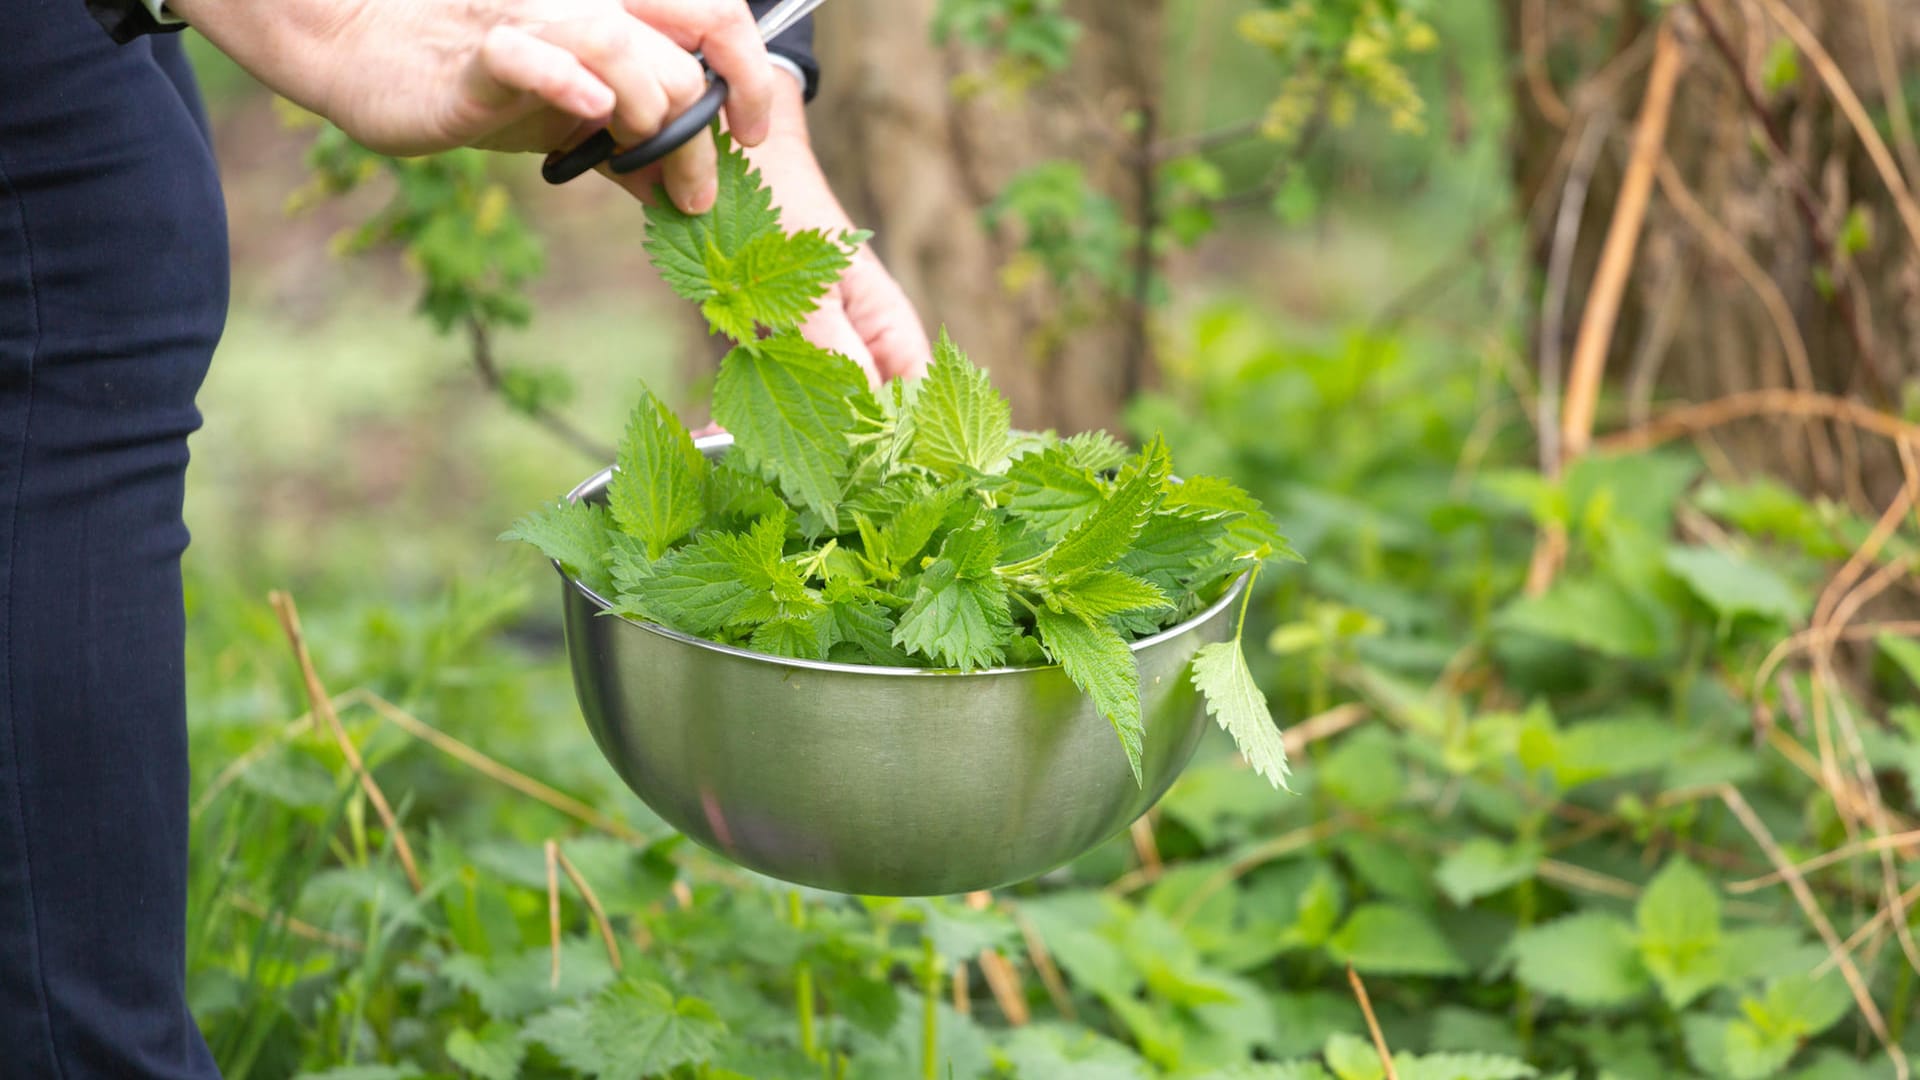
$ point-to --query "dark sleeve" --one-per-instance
(128, 19)
(796, 45)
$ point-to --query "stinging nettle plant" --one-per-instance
(913, 527)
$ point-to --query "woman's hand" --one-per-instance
(416, 76)
(866, 316)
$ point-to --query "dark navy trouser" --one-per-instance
(113, 289)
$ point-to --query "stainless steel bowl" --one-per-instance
(868, 780)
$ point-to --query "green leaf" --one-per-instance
(1099, 662)
(512, 985)
(1680, 943)
(722, 580)
(1733, 586)
(678, 242)
(1462, 1067)
(1052, 490)
(1587, 959)
(658, 490)
(1483, 866)
(1389, 939)
(1247, 521)
(1800, 1006)
(775, 281)
(961, 424)
(787, 404)
(1594, 614)
(1110, 531)
(1101, 594)
(1353, 1058)
(959, 615)
(631, 1030)
(492, 1054)
(1095, 451)
(1904, 652)
(1171, 547)
(1235, 702)
(573, 534)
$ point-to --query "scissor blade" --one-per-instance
(784, 15)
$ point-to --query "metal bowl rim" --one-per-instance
(713, 442)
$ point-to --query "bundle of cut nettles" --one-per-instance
(913, 527)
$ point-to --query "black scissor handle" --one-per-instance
(600, 147)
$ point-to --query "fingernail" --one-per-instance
(702, 199)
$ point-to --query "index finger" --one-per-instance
(724, 33)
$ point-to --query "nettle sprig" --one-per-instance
(909, 528)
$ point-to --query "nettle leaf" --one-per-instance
(678, 243)
(787, 403)
(658, 490)
(959, 616)
(1390, 939)
(631, 1030)
(1101, 594)
(1234, 700)
(1734, 586)
(1052, 490)
(1680, 941)
(1483, 866)
(1110, 531)
(1587, 959)
(573, 534)
(1171, 547)
(493, 1053)
(1099, 662)
(720, 580)
(1462, 1067)
(1247, 522)
(961, 424)
(1095, 451)
(775, 281)
(1592, 613)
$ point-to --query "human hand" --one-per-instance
(416, 76)
(866, 315)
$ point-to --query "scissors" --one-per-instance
(600, 147)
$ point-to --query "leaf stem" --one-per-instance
(929, 1011)
(803, 983)
(1246, 598)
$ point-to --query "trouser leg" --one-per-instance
(113, 286)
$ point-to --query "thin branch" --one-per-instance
(493, 770)
(1553, 302)
(322, 705)
(480, 345)
(1855, 112)
(1623, 242)
(593, 905)
(1689, 419)
(1200, 142)
(1373, 1023)
(1804, 199)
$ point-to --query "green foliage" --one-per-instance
(1032, 34)
(958, 545)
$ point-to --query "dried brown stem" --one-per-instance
(322, 706)
(1623, 242)
(593, 905)
(1690, 419)
(1004, 980)
(493, 770)
(1373, 1023)
(1044, 965)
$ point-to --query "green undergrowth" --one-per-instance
(1513, 819)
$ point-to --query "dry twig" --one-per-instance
(323, 706)
(1373, 1023)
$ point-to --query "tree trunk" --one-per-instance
(917, 164)
(1729, 292)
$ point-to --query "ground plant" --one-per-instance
(911, 526)
(1641, 809)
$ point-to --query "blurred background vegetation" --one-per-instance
(1604, 758)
